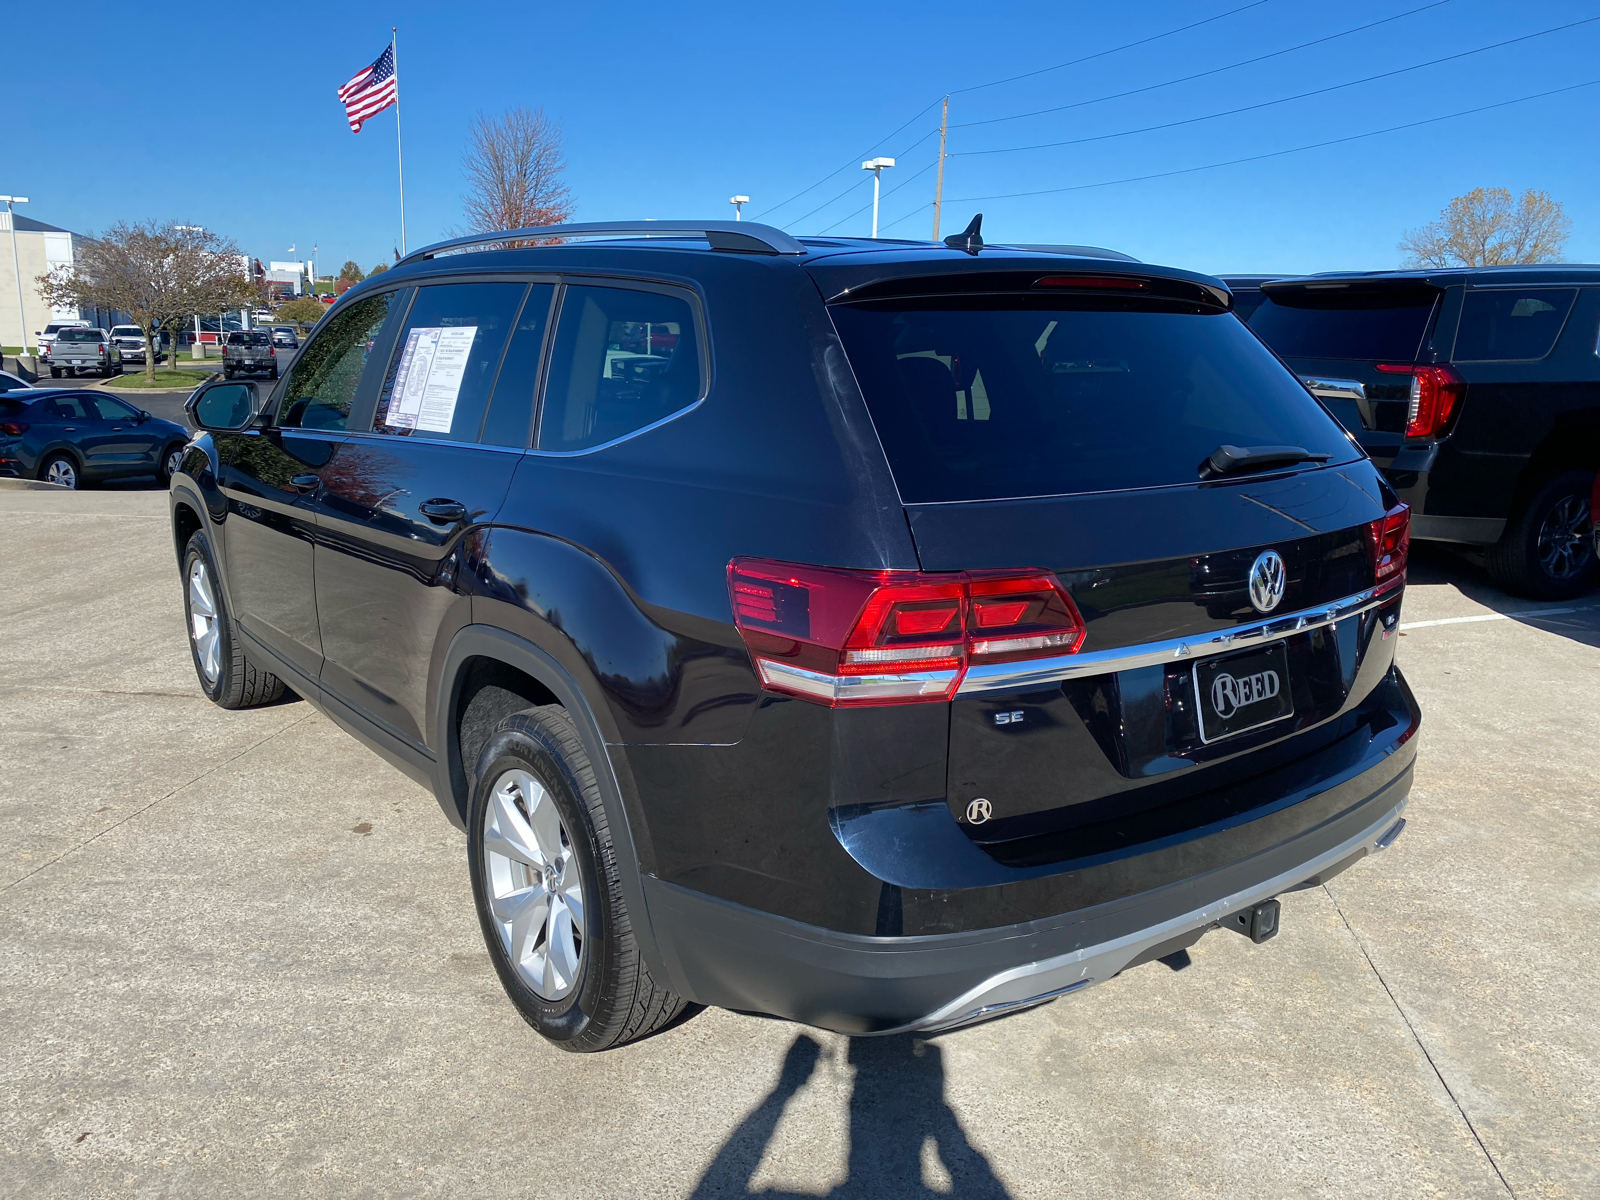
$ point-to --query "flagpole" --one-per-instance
(399, 155)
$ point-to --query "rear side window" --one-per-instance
(1386, 326)
(1511, 323)
(445, 360)
(323, 383)
(623, 359)
(979, 403)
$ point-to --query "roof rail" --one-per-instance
(747, 237)
(1077, 251)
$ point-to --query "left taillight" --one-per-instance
(13, 428)
(841, 637)
(1436, 392)
(1389, 542)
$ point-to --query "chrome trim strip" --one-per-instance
(1334, 389)
(1008, 677)
(906, 685)
(1038, 982)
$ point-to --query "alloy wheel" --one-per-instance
(535, 885)
(204, 628)
(1566, 538)
(174, 461)
(63, 473)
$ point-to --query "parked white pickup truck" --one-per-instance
(83, 350)
(130, 340)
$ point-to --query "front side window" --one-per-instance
(445, 360)
(623, 359)
(322, 385)
(115, 410)
(979, 399)
(1511, 323)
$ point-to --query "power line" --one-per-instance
(1203, 74)
(996, 83)
(1466, 112)
(828, 203)
(978, 87)
(885, 196)
(1101, 137)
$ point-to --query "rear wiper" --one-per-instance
(1231, 460)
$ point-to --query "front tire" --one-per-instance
(1547, 551)
(227, 675)
(171, 461)
(545, 881)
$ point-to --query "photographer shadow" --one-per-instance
(897, 1106)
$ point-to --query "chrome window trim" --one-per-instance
(1009, 677)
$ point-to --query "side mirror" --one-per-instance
(144, 415)
(224, 407)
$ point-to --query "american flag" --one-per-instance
(372, 90)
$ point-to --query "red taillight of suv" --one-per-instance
(850, 638)
(13, 428)
(1389, 541)
(1436, 393)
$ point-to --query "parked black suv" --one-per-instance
(1478, 394)
(880, 635)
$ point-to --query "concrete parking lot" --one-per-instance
(240, 956)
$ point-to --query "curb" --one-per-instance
(30, 485)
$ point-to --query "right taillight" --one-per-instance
(842, 637)
(1436, 392)
(1389, 541)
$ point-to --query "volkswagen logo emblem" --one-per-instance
(979, 811)
(1266, 581)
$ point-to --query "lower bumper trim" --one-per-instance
(1038, 982)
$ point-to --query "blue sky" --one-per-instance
(669, 110)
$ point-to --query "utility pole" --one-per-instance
(876, 166)
(938, 188)
(16, 263)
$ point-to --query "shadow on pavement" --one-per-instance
(1463, 569)
(897, 1106)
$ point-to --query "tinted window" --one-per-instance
(10, 382)
(980, 402)
(66, 408)
(510, 419)
(11, 408)
(79, 335)
(115, 410)
(622, 360)
(445, 360)
(323, 383)
(1511, 323)
(1246, 302)
(1383, 326)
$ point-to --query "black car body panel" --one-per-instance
(808, 861)
(1531, 406)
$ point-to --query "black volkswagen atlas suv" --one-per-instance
(884, 636)
(1476, 391)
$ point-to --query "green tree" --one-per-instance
(377, 270)
(351, 271)
(304, 311)
(1489, 228)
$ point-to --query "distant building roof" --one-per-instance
(29, 225)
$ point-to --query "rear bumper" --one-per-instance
(732, 956)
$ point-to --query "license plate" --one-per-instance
(1239, 692)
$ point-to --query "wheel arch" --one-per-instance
(486, 672)
(186, 522)
(1572, 445)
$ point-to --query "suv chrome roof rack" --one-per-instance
(1078, 251)
(747, 237)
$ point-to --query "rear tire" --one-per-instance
(55, 372)
(546, 884)
(227, 675)
(171, 459)
(61, 470)
(1547, 551)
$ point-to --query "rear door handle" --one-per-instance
(306, 483)
(443, 512)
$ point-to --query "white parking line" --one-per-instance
(1530, 612)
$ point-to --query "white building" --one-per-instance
(40, 248)
(288, 272)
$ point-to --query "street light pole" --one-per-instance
(16, 263)
(738, 203)
(876, 166)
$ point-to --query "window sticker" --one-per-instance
(428, 382)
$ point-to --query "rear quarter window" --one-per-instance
(988, 401)
(1512, 323)
(1386, 326)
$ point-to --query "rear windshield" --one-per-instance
(1383, 326)
(249, 339)
(980, 401)
(80, 335)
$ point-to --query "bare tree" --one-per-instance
(1488, 228)
(514, 164)
(159, 274)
